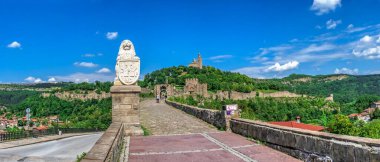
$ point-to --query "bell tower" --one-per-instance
(200, 64)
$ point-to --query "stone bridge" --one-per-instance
(185, 133)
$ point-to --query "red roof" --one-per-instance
(353, 115)
(42, 127)
(294, 124)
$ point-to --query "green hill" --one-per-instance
(215, 78)
(346, 88)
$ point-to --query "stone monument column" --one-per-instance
(125, 91)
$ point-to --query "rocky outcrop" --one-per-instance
(242, 96)
(81, 96)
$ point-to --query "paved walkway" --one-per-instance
(28, 141)
(179, 137)
(220, 147)
(62, 150)
(161, 119)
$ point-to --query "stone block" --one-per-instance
(289, 139)
(339, 152)
(300, 141)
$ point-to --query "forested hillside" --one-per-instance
(8, 98)
(215, 78)
(346, 88)
(81, 114)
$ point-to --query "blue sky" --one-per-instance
(69, 40)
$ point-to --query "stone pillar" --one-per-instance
(125, 108)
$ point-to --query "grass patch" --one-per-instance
(80, 156)
(146, 131)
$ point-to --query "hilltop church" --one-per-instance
(197, 63)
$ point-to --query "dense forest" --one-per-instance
(8, 98)
(80, 114)
(35, 85)
(97, 87)
(346, 89)
(74, 113)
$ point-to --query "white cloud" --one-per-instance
(83, 77)
(104, 70)
(369, 53)
(325, 6)
(280, 48)
(350, 26)
(367, 48)
(366, 39)
(14, 44)
(30, 79)
(111, 35)
(378, 40)
(33, 80)
(288, 66)
(52, 80)
(220, 58)
(38, 80)
(346, 71)
(255, 72)
(89, 55)
(314, 51)
(92, 55)
(331, 24)
(85, 64)
(317, 48)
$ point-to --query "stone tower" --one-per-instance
(200, 64)
(197, 63)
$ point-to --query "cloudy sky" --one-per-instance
(69, 40)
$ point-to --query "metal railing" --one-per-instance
(9, 136)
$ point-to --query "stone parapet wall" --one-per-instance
(310, 145)
(213, 117)
(109, 146)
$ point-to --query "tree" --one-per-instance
(340, 124)
(376, 114)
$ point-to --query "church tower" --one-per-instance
(200, 64)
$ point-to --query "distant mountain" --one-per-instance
(345, 88)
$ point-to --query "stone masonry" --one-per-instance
(125, 108)
(193, 87)
(310, 145)
(306, 145)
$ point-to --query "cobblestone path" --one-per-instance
(161, 119)
(179, 137)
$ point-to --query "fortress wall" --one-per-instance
(81, 96)
(242, 96)
(310, 145)
(213, 117)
